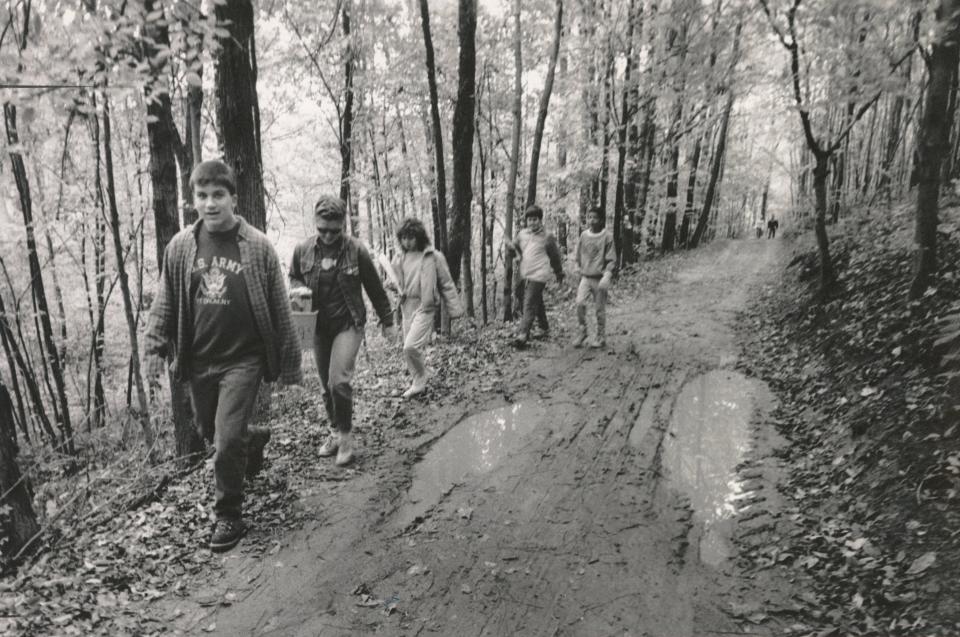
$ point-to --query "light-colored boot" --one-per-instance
(418, 386)
(345, 450)
(330, 445)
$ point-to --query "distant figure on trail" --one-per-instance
(759, 228)
(772, 225)
(596, 259)
(424, 279)
(538, 254)
(222, 314)
(335, 268)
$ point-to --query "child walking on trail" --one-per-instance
(424, 279)
(596, 259)
(222, 315)
(336, 269)
(539, 254)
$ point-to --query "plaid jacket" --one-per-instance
(170, 325)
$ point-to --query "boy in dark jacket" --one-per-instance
(222, 314)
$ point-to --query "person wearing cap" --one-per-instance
(222, 315)
(539, 254)
(335, 268)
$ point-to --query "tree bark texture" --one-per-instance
(346, 125)
(545, 105)
(19, 522)
(460, 222)
(238, 109)
(933, 145)
(440, 200)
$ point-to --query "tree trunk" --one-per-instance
(346, 125)
(39, 293)
(460, 222)
(821, 169)
(508, 283)
(933, 144)
(15, 355)
(440, 214)
(544, 105)
(715, 166)
(19, 523)
(144, 410)
(623, 134)
(98, 304)
(691, 191)
(238, 108)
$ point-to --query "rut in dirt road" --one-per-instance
(596, 502)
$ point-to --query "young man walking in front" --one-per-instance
(538, 254)
(223, 316)
(596, 259)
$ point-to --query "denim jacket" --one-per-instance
(355, 269)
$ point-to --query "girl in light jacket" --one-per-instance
(425, 280)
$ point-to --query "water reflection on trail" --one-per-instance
(474, 446)
(708, 437)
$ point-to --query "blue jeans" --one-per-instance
(336, 355)
(224, 395)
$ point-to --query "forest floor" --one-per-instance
(558, 491)
(682, 481)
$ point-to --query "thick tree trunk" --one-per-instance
(508, 282)
(15, 357)
(19, 523)
(691, 191)
(440, 214)
(460, 222)
(238, 109)
(544, 106)
(933, 145)
(828, 277)
(166, 150)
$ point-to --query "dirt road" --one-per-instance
(587, 493)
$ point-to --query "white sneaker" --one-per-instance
(330, 445)
(345, 450)
(418, 387)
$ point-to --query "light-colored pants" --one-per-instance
(417, 327)
(224, 395)
(590, 288)
(336, 356)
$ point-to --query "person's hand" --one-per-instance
(390, 333)
(605, 281)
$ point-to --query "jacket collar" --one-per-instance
(243, 233)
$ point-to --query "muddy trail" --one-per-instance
(586, 493)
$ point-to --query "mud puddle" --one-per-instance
(709, 436)
(474, 446)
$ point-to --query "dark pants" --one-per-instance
(533, 307)
(224, 396)
(336, 356)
